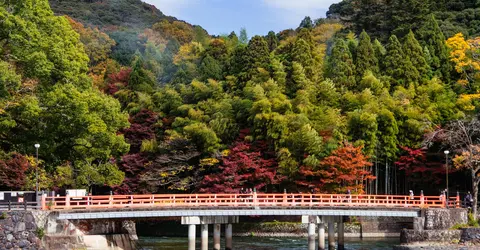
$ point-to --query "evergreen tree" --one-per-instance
(380, 51)
(258, 55)
(210, 68)
(432, 37)
(413, 50)
(301, 54)
(306, 23)
(243, 39)
(279, 74)
(365, 59)
(272, 41)
(398, 65)
(341, 68)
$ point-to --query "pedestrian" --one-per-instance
(411, 195)
(349, 196)
(468, 200)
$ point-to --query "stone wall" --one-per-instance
(439, 219)
(412, 236)
(19, 229)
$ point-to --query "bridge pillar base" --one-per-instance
(216, 236)
(331, 236)
(204, 237)
(321, 236)
(191, 237)
(228, 237)
(311, 236)
(341, 238)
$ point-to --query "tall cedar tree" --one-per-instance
(306, 23)
(365, 59)
(397, 65)
(413, 50)
(258, 55)
(345, 169)
(432, 37)
(380, 51)
(341, 68)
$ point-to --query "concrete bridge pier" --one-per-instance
(331, 236)
(204, 245)
(228, 237)
(216, 236)
(204, 221)
(311, 236)
(321, 236)
(191, 236)
(340, 234)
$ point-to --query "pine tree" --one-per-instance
(414, 51)
(432, 37)
(243, 39)
(257, 55)
(365, 59)
(341, 68)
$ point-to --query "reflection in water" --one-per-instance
(253, 243)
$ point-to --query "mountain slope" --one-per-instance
(109, 14)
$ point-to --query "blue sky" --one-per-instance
(257, 16)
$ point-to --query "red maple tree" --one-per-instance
(246, 166)
(345, 169)
(418, 168)
(13, 172)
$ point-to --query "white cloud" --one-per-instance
(172, 7)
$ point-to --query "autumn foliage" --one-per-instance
(417, 168)
(13, 172)
(345, 169)
(245, 166)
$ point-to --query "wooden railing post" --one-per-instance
(67, 201)
(110, 200)
(444, 201)
(44, 202)
(422, 199)
(458, 200)
(255, 201)
(285, 203)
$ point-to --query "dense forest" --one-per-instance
(365, 99)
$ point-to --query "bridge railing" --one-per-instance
(244, 200)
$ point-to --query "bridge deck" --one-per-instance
(107, 214)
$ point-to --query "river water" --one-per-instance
(256, 243)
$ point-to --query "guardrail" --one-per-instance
(244, 200)
(26, 205)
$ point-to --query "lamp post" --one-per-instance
(36, 169)
(446, 167)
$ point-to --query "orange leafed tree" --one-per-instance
(345, 169)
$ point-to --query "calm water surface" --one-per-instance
(252, 243)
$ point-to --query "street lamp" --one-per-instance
(446, 167)
(36, 169)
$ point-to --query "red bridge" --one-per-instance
(258, 200)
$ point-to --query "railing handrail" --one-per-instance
(271, 200)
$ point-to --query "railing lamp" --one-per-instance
(446, 152)
(36, 168)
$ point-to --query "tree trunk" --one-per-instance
(475, 182)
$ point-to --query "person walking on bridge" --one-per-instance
(468, 200)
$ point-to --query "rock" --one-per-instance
(30, 226)
(23, 243)
(20, 226)
(8, 245)
(10, 237)
(29, 218)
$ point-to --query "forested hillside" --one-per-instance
(396, 17)
(161, 106)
